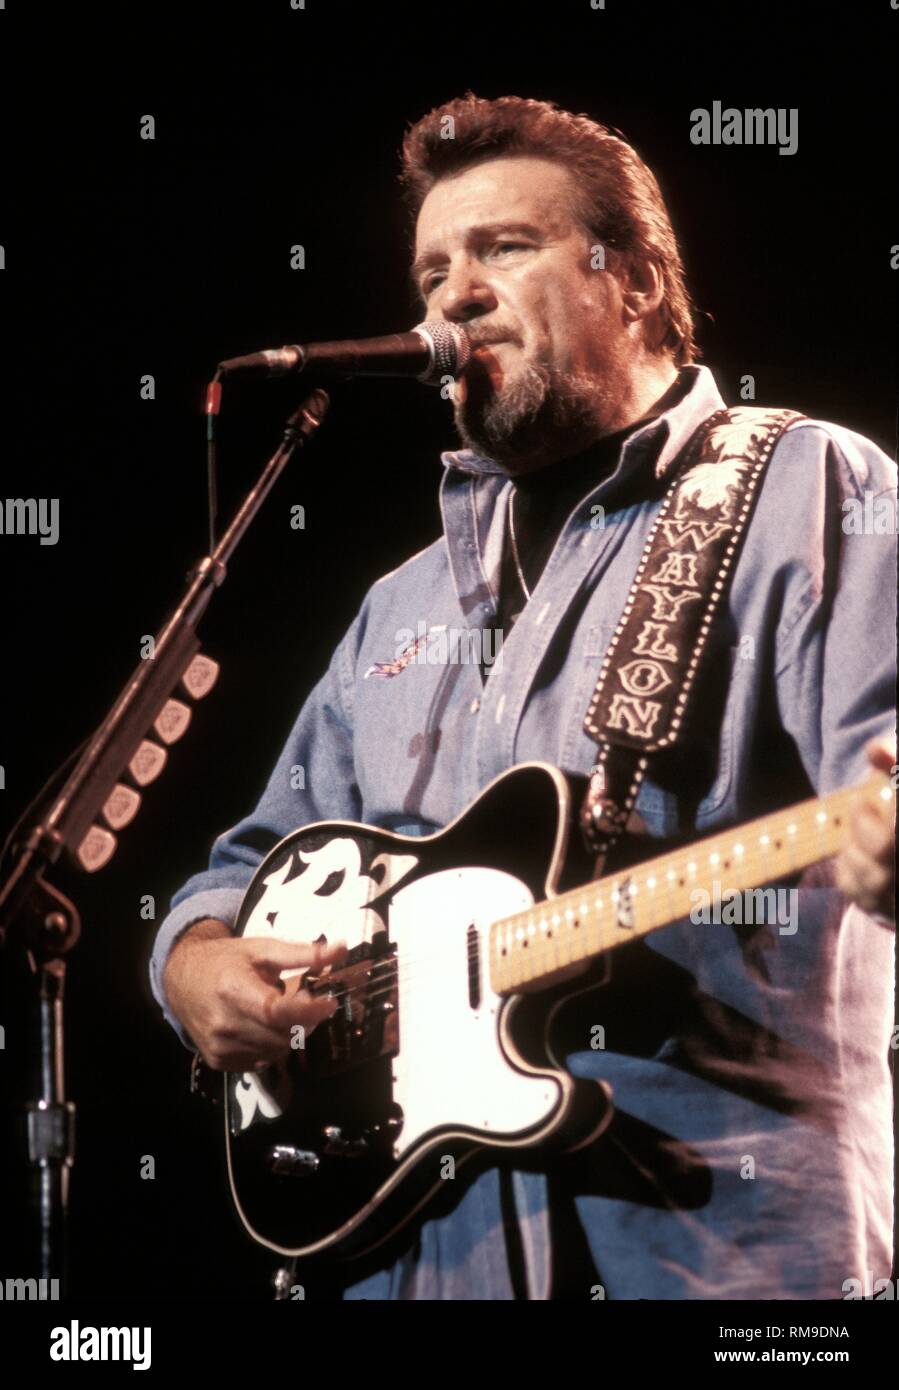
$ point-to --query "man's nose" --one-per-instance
(466, 293)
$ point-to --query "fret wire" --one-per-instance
(760, 859)
(555, 942)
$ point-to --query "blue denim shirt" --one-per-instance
(753, 1158)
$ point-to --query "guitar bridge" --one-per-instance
(365, 1025)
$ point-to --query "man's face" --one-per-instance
(500, 250)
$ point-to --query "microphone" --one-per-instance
(429, 351)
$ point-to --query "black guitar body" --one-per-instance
(423, 1065)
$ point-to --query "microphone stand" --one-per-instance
(39, 920)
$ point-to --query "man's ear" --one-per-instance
(643, 301)
(642, 289)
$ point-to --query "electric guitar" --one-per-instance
(465, 946)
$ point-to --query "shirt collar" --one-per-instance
(661, 438)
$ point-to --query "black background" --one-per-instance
(126, 257)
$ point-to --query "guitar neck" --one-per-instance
(584, 923)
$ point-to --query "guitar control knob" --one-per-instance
(336, 1144)
(287, 1162)
(387, 1129)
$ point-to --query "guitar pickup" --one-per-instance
(365, 1025)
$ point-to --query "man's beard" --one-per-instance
(538, 411)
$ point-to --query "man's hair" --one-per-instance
(619, 200)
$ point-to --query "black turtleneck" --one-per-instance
(542, 501)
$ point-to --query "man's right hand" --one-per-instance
(228, 994)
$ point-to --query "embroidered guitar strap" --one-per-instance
(648, 679)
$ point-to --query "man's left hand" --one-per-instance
(866, 868)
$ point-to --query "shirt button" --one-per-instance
(474, 706)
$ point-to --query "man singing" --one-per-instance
(750, 1155)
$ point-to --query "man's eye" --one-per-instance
(435, 280)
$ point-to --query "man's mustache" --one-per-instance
(487, 336)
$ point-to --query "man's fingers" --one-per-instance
(288, 955)
(860, 877)
(872, 830)
(250, 1013)
(284, 1011)
(882, 753)
(277, 1010)
(238, 1045)
(262, 1039)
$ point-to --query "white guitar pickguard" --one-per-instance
(450, 1068)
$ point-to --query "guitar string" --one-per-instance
(540, 949)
